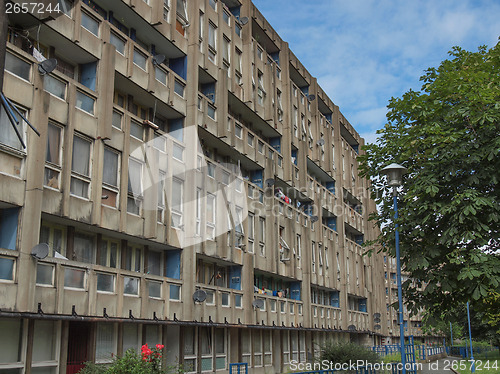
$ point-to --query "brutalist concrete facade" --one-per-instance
(182, 147)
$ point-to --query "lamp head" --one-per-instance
(394, 174)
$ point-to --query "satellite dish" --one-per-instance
(376, 320)
(376, 315)
(243, 21)
(311, 97)
(321, 141)
(351, 328)
(199, 296)
(377, 327)
(314, 219)
(47, 66)
(258, 303)
(270, 182)
(158, 59)
(40, 251)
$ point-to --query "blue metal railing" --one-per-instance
(238, 368)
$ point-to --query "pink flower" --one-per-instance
(159, 346)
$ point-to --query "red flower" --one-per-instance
(159, 346)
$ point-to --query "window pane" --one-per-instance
(44, 274)
(9, 348)
(154, 289)
(154, 261)
(53, 144)
(6, 268)
(110, 169)
(161, 75)
(237, 301)
(105, 282)
(79, 187)
(43, 341)
(136, 130)
(140, 59)
(74, 278)
(134, 178)
(118, 42)
(130, 337)
(179, 88)
(8, 135)
(83, 248)
(85, 102)
(54, 86)
(17, 66)
(177, 189)
(105, 342)
(130, 286)
(117, 120)
(90, 24)
(178, 152)
(175, 292)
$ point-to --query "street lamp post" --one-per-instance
(473, 366)
(394, 174)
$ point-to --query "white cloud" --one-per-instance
(365, 51)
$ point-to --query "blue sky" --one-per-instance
(364, 52)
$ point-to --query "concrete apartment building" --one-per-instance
(183, 147)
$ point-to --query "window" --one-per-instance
(105, 282)
(251, 231)
(140, 59)
(259, 53)
(117, 120)
(212, 41)
(262, 231)
(211, 110)
(136, 130)
(175, 292)
(210, 216)
(238, 60)
(80, 167)
(133, 258)
(161, 196)
(17, 66)
(213, 4)
(226, 46)
(53, 156)
(54, 86)
(74, 278)
(161, 75)
(154, 289)
(198, 211)
(166, 9)
(106, 343)
(134, 200)
(238, 131)
(177, 202)
(226, 16)
(130, 286)
(179, 88)
(90, 23)
(178, 152)
(85, 102)
(250, 139)
(210, 170)
(118, 42)
(8, 135)
(108, 255)
(111, 172)
(7, 268)
(44, 274)
(83, 248)
(182, 10)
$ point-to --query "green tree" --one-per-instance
(448, 136)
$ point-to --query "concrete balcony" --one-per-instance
(358, 319)
(278, 311)
(353, 218)
(325, 316)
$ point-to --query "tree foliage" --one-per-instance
(448, 136)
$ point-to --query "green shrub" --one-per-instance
(149, 361)
(347, 352)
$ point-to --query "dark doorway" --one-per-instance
(78, 346)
